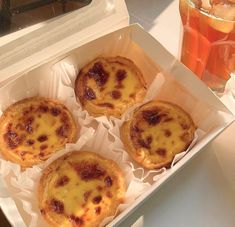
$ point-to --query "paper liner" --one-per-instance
(27, 182)
(151, 175)
(97, 134)
(23, 185)
(151, 94)
(55, 86)
(71, 71)
(113, 124)
(176, 86)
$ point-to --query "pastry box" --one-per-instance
(45, 62)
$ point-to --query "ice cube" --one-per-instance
(197, 3)
(206, 5)
(224, 11)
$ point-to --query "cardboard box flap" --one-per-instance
(169, 63)
(153, 61)
(61, 35)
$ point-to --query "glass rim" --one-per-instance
(191, 3)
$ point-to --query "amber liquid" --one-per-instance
(208, 46)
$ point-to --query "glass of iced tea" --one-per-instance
(208, 45)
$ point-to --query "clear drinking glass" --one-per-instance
(208, 46)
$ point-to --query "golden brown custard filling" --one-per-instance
(113, 83)
(80, 190)
(161, 131)
(33, 129)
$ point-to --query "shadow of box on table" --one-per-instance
(18, 14)
(3, 221)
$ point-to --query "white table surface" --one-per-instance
(202, 194)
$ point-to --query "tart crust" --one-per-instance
(109, 85)
(157, 132)
(80, 188)
(32, 129)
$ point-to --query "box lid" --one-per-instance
(30, 47)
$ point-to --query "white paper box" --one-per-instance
(60, 36)
(180, 87)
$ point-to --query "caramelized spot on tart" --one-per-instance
(62, 181)
(132, 95)
(149, 140)
(55, 111)
(167, 119)
(64, 118)
(86, 195)
(26, 111)
(98, 210)
(97, 199)
(116, 94)
(89, 171)
(43, 147)
(29, 128)
(28, 124)
(30, 119)
(121, 75)
(153, 117)
(106, 104)
(119, 85)
(43, 108)
(184, 125)
(20, 126)
(137, 129)
(76, 220)
(30, 142)
(109, 194)
(184, 137)
(99, 188)
(167, 133)
(63, 130)
(57, 206)
(161, 151)
(12, 139)
(108, 181)
(22, 154)
(89, 94)
(144, 143)
(9, 126)
(41, 154)
(42, 138)
(98, 73)
(42, 211)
